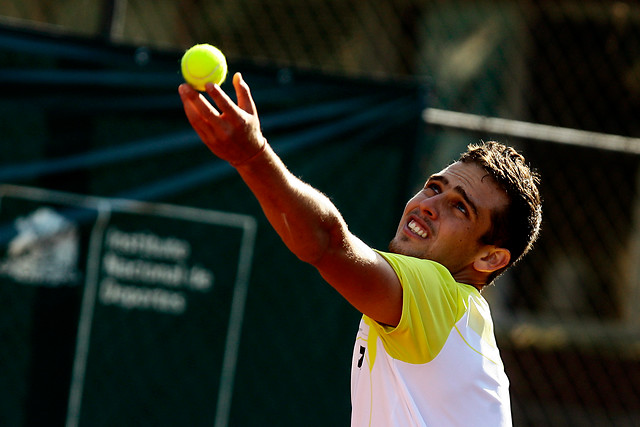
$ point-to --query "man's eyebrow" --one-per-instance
(466, 198)
(458, 189)
(440, 178)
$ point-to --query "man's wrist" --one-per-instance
(251, 157)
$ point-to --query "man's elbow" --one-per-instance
(322, 245)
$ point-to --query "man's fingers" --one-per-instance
(200, 113)
(230, 130)
(188, 94)
(245, 100)
(186, 91)
(222, 100)
(196, 106)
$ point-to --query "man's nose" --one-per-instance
(429, 206)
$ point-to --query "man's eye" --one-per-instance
(434, 187)
(462, 208)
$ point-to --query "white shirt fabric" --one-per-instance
(439, 367)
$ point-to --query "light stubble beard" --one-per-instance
(397, 247)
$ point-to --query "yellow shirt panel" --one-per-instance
(432, 304)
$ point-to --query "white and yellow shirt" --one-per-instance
(439, 367)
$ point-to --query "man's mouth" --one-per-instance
(413, 226)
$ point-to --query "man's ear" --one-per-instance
(494, 259)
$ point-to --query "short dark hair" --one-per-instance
(517, 226)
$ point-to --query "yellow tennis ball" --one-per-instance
(203, 63)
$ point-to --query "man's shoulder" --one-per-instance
(426, 266)
(427, 275)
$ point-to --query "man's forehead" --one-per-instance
(476, 181)
(467, 172)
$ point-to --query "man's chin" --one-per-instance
(393, 247)
(397, 246)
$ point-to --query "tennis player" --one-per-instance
(425, 353)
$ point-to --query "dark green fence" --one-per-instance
(117, 339)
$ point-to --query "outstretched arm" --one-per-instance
(306, 220)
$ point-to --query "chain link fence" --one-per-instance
(567, 317)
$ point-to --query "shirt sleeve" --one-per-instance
(431, 305)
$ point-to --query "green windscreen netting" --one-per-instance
(139, 281)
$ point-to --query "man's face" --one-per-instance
(446, 219)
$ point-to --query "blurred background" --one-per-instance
(361, 99)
